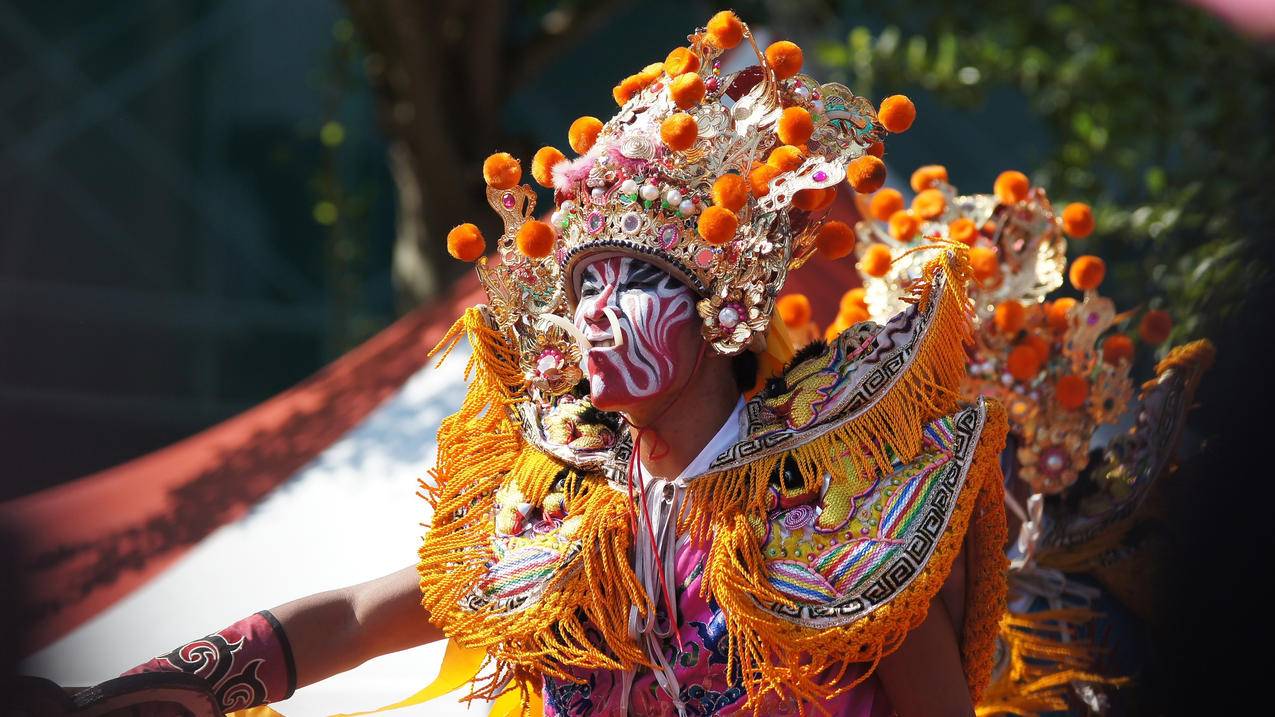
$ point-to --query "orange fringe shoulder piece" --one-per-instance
(482, 457)
(911, 439)
(933, 466)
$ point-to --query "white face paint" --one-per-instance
(653, 312)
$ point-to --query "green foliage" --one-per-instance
(1161, 118)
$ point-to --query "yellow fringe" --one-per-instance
(1047, 655)
(790, 661)
(481, 449)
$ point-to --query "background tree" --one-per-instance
(441, 72)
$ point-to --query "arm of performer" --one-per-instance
(266, 656)
(932, 654)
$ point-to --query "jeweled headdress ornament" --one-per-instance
(723, 180)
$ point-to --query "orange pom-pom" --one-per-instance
(834, 329)
(785, 158)
(897, 113)
(785, 59)
(903, 226)
(814, 200)
(725, 30)
(929, 204)
(1071, 391)
(583, 133)
(851, 315)
(1011, 187)
(717, 225)
(1087, 272)
(852, 299)
(795, 126)
(794, 309)
(925, 177)
(1155, 327)
(1037, 344)
(885, 203)
(1077, 220)
(760, 178)
(651, 73)
(1009, 316)
(985, 265)
(686, 90)
(866, 174)
(542, 165)
(679, 131)
(963, 230)
(535, 239)
(836, 240)
(807, 199)
(1117, 348)
(466, 242)
(501, 170)
(1056, 313)
(827, 196)
(628, 87)
(876, 149)
(1023, 363)
(680, 61)
(730, 191)
(876, 260)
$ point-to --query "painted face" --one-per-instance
(653, 312)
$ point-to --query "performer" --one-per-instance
(646, 503)
(1062, 369)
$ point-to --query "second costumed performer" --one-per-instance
(647, 504)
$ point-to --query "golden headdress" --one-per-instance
(723, 180)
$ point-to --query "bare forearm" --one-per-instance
(925, 677)
(338, 630)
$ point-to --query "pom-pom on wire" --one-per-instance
(866, 174)
(583, 133)
(835, 240)
(542, 165)
(785, 59)
(725, 30)
(501, 170)
(897, 113)
(717, 225)
(927, 176)
(730, 191)
(679, 131)
(535, 239)
(466, 243)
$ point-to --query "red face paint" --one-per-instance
(654, 311)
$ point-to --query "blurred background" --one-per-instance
(204, 202)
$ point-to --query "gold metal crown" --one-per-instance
(1026, 235)
(631, 193)
(1025, 254)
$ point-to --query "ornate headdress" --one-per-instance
(1044, 362)
(723, 180)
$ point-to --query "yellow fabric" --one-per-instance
(779, 351)
(460, 666)
(262, 711)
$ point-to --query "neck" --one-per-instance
(682, 427)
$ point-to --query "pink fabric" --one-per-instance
(704, 685)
